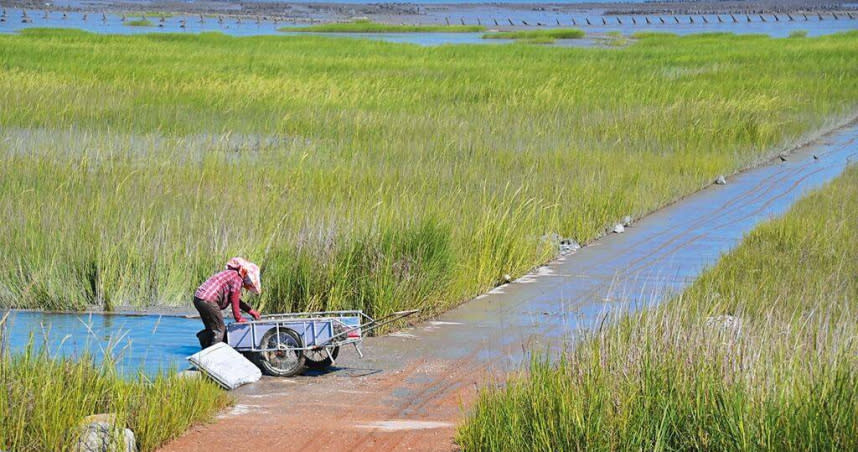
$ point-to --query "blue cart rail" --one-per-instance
(286, 344)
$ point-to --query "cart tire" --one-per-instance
(319, 360)
(281, 363)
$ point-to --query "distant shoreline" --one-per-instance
(432, 13)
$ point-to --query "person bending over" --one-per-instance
(221, 290)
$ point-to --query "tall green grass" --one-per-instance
(782, 376)
(361, 174)
(138, 23)
(43, 401)
(547, 34)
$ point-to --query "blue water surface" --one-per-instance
(148, 343)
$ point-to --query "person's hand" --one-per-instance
(254, 314)
(242, 320)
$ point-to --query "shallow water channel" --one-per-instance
(653, 259)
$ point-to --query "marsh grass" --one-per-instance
(44, 400)
(541, 40)
(366, 26)
(538, 36)
(653, 34)
(780, 374)
(138, 23)
(366, 175)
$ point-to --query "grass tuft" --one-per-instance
(365, 26)
(538, 35)
(44, 400)
(139, 23)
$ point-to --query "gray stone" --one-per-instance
(99, 437)
(721, 180)
(564, 244)
(98, 434)
(569, 245)
(619, 228)
(627, 220)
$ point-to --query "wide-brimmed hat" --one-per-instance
(249, 273)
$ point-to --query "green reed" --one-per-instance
(44, 400)
(547, 35)
(366, 26)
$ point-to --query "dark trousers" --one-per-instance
(212, 317)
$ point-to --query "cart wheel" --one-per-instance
(281, 363)
(319, 360)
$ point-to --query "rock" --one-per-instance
(782, 156)
(627, 220)
(619, 228)
(721, 180)
(563, 244)
(97, 434)
(507, 278)
(569, 245)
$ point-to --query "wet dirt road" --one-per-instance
(412, 387)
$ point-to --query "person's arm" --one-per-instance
(235, 300)
(248, 309)
(244, 306)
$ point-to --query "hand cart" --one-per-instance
(284, 345)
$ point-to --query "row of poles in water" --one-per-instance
(26, 18)
(676, 19)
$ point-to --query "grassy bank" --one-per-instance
(780, 373)
(548, 35)
(139, 23)
(43, 402)
(366, 174)
(365, 26)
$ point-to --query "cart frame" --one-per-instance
(301, 335)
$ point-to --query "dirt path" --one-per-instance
(410, 390)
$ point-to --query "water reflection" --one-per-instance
(148, 342)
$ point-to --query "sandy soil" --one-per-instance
(412, 408)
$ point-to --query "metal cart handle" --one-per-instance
(375, 323)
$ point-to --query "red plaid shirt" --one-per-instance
(224, 289)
